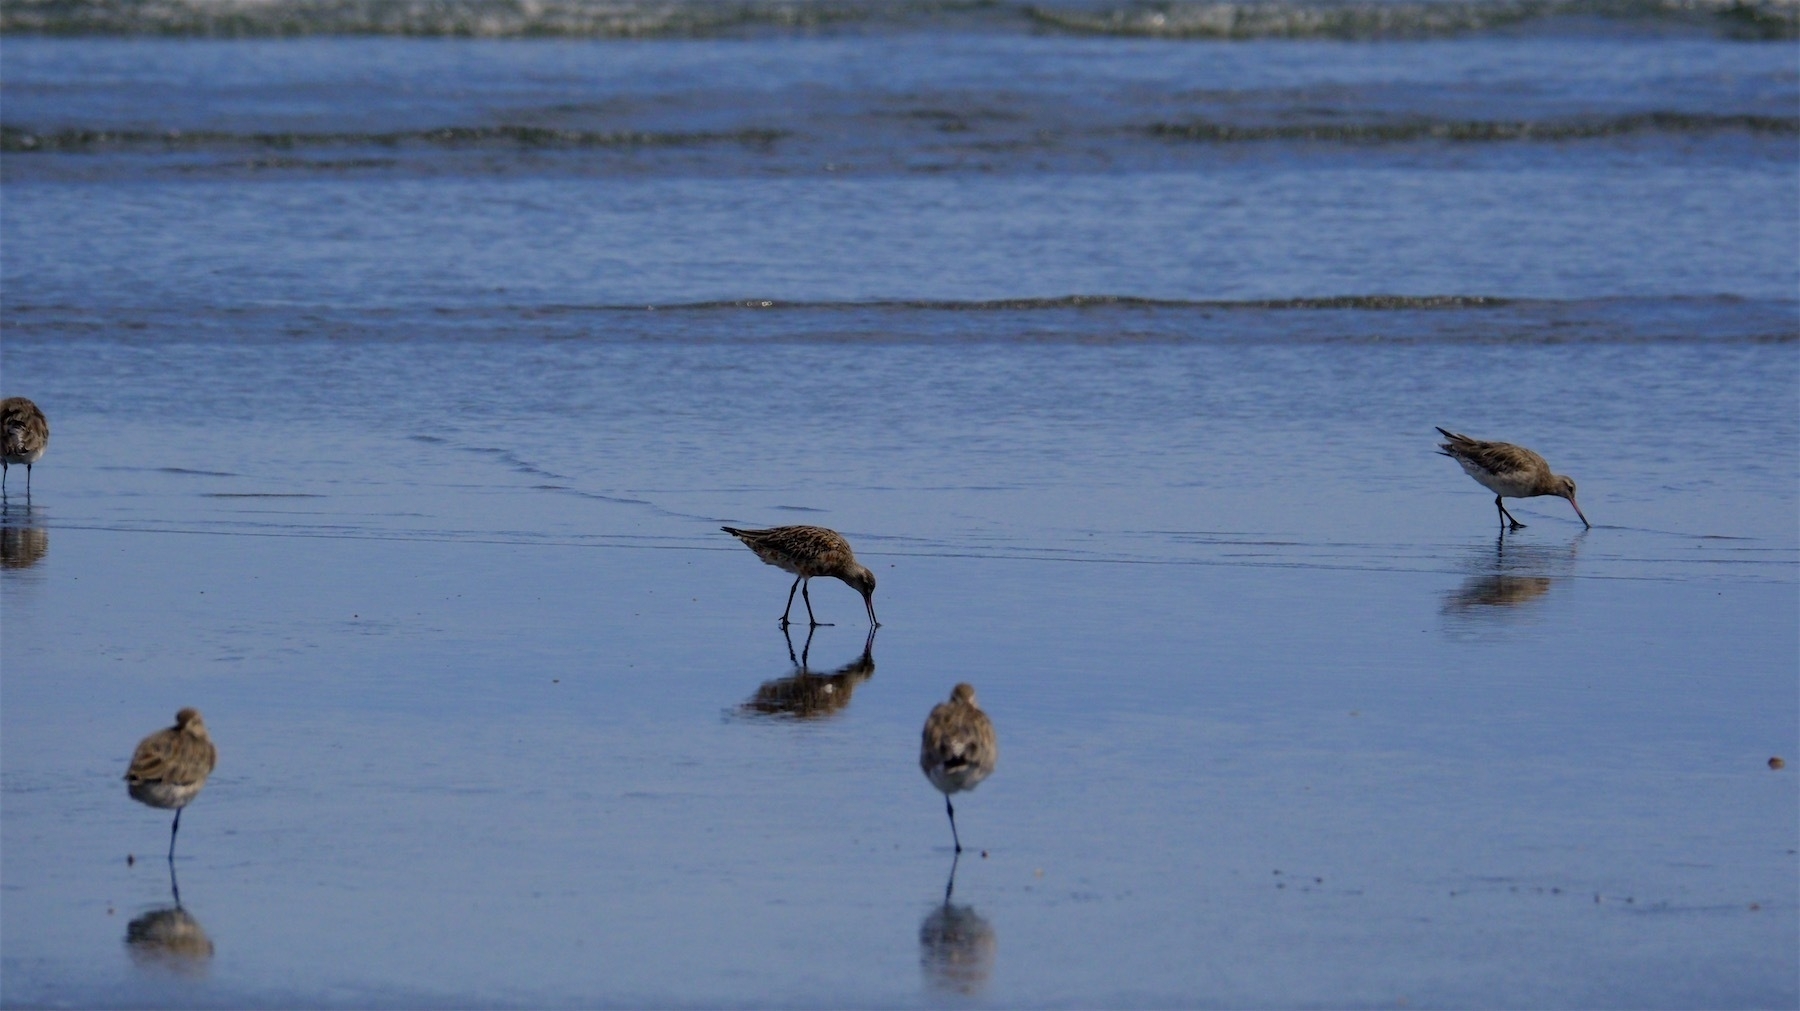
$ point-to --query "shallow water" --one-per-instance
(387, 468)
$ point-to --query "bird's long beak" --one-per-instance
(1578, 512)
(869, 602)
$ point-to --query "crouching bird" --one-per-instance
(170, 766)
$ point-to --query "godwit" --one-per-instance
(958, 749)
(1508, 471)
(24, 432)
(170, 766)
(807, 552)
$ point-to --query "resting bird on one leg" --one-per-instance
(958, 749)
(24, 433)
(170, 766)
(1508, 471)
(808, 551)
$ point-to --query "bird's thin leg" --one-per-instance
(28, 480)
(953, 836)
(804, 584)
(1506, 516)
(174, 886)
(176, 827)
(790, 603)
(949, 886)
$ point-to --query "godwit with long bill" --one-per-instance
(1508, 471)
(808, 551)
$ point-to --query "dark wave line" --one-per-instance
(1224, 19)
(23, 139)
(1373, 302)
(1477, 130)
(1390, 19)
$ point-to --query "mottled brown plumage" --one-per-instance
(958, 748)
(1508, 471)
(24, 434)
(170, 766)
(808, 551)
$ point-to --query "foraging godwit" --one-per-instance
(24, 432)
(958, 749)
(1509, 471)
(807, 552)
(170, 766)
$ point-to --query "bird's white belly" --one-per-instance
(164, 794)
(1508, 485)
(964, 777)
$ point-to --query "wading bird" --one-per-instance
(1508, 471)
(170, 766)
(24, 432)
(958, 749)
(807, 552)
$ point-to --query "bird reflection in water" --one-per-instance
(806, 695)
(21, 544)
(169, 938)
(1513, 574)
(957, 946)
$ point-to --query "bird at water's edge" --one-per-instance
(808, 551)
(1508, 471)
(958, 748)
(170, 766)
(24, 433)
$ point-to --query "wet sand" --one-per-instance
(474, 772)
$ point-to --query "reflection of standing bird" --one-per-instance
(808, 551)
(170, 766)
(169, 938)
(1508, 471)
(957, 947)
(22, 547)
(24, 432)
(959, 748)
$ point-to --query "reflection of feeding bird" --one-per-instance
(958, 749)
(170, 766)
(808, 551)
(1508, 471)
(1498, 591)
(807, 695)
(24, 432)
